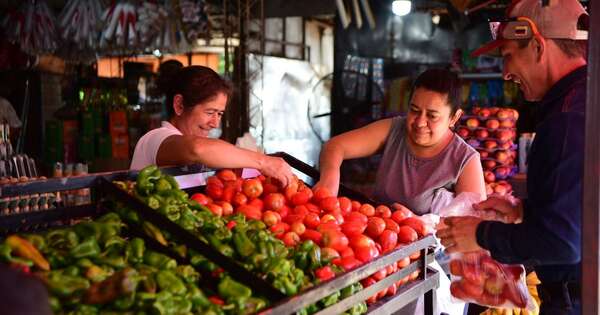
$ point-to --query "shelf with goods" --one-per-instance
(320, 290)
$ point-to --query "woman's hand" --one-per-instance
(277, 168)
(331, 182)
(510, 209)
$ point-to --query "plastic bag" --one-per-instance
(477, 277)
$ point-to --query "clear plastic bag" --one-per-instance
(477, 277)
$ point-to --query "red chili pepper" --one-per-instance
(20, 267)
(217, 272)
(231, 224)
(216, 300)
(324, 273)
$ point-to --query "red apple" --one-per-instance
(500, 190)
(492, 123)
(481, 133)
(472, 122)
(507, 123)
(489, 164)
(476, 110)
(502, 172)
(484, 113)
(504, 114)
(489, 188)
(494, 111)
(506, 145)
(463, 132)
(515, 114)
(502, 156)
(489, 176)
(490, 144)
(483, 154)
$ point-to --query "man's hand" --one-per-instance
(458, 234)
(510, 209)
(277, 168)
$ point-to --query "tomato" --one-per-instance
(329, 204)
(494, 285)
(403, 262)
(312, 235)
(291, 218)
(330, 225)
(262, 178)
(301, 210)
(366, 254)
(391, 291)
(471, 289)
(491, 267)
(250, 212)
(335, 239)
(347, 252)
(290, 239)
(328, 218)
(214, 181)
(239, 199)
(215, 209)
(226, 175)
(324, 273)
(348, 263)
(416, 224)
(328, 253)
(514, 294)
(357, 216)
(383, 211)
(367, 210)
(398, 216)
(227, 207)
(312, 220)
(280, 228)
(361, 241)
(456, 267)
(345, 205)
(473, 274)
(274, 201)
(228, 192)
(388, 240)
(339, 218)
(300, 198)
(252, 188)
(375, 227)
(416, 255)
(414, 275)
(200, 198)
(457, 291)
(271, 218)
(352, 228)
(367, 282)
(407, 235)
(284, 211)
(257, 203)
(313, 208)
(379, 274)
(269, 188)
(231, 224)
(355, 205)
(298, 228)
(291, 189)
(493, 300)
(214, 191)
(216, 300)
(391, 225)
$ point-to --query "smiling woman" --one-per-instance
(197, 98)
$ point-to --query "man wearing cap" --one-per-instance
(543, 44)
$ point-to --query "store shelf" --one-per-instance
(481, 76)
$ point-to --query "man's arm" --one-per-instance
(551, 228)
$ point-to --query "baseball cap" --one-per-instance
(559, 19)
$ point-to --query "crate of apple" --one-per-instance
(349, 233)
(477, 278)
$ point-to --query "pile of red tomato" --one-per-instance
(348, 232)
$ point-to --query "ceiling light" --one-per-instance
(401, 7)
(435, 19)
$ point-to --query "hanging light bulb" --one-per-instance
(435, 19)
(401, 7)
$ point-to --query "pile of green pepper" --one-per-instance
(93, 270)
(248, 242)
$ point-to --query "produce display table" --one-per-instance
(103, 189)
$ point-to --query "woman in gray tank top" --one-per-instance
(425, 164)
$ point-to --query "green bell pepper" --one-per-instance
(158, 260)
(145, 180)
(87, 248)
(232, 290)
(65, 285)
(169, 281)
(134, 250)
(242, 243)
